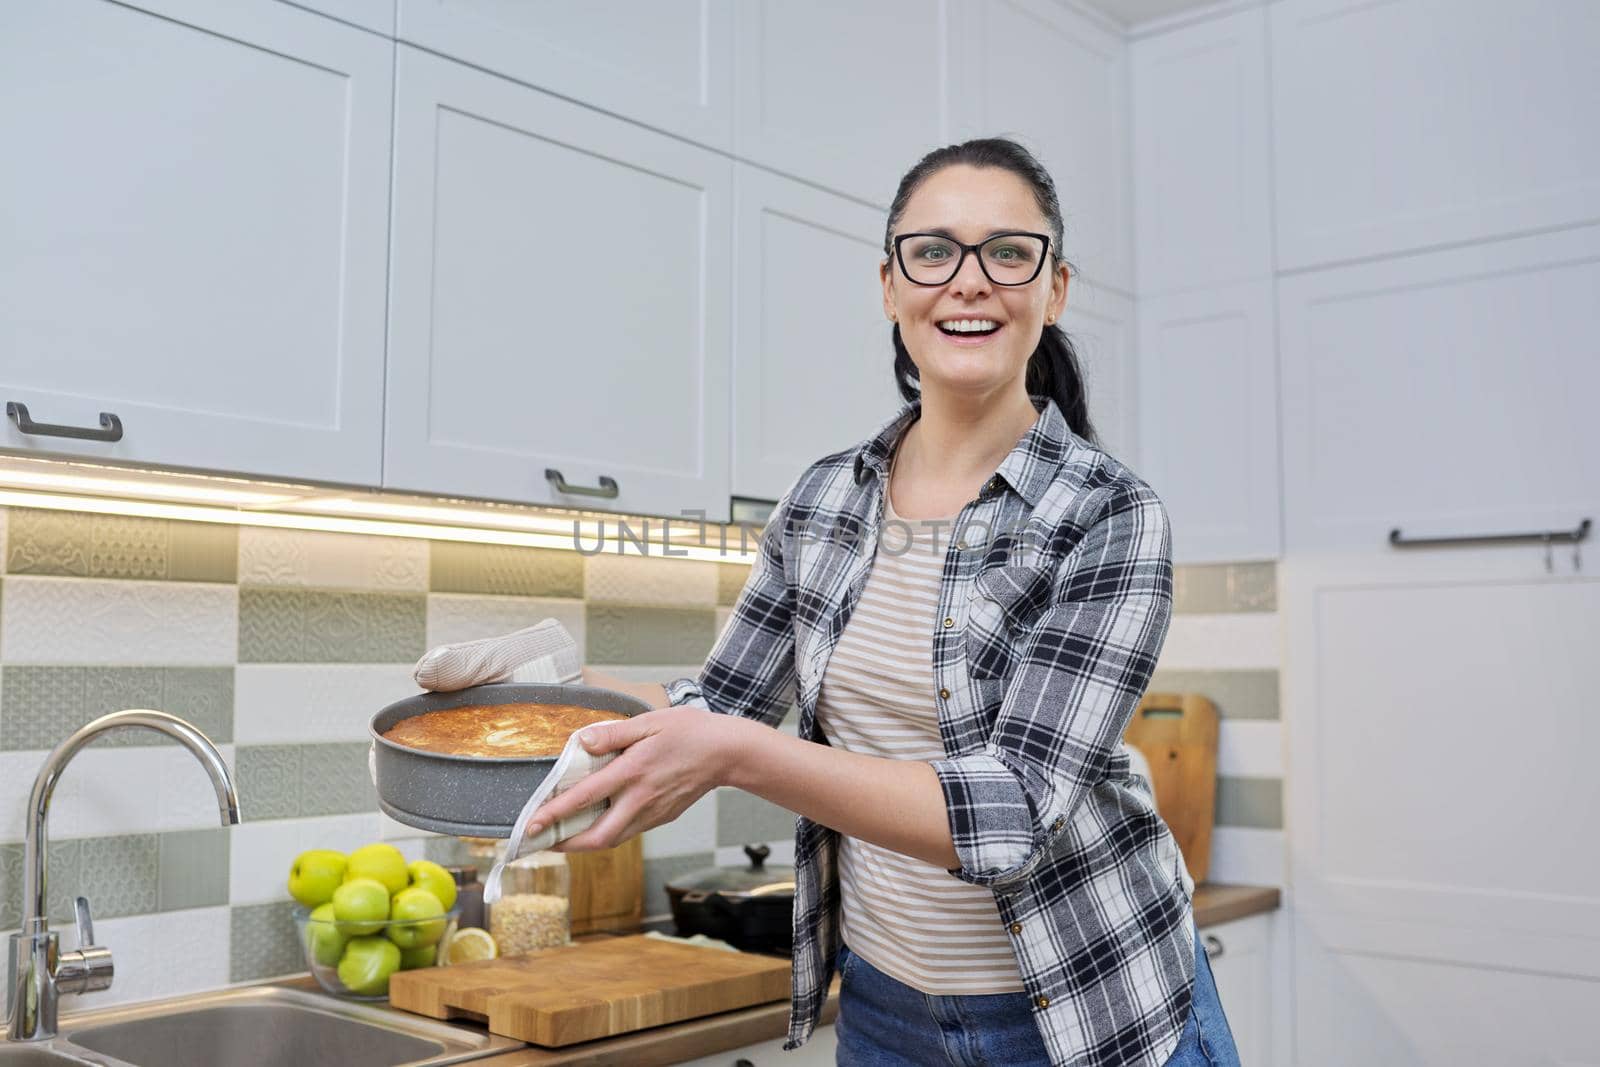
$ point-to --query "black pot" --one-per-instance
(751, 908)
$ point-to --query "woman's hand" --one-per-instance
(669, 758)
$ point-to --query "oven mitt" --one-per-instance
(544, 652)
(572, 766)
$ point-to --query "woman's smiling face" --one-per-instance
(971, 204)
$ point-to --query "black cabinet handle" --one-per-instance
(608, 485)
(110, 426)
(1213, 946)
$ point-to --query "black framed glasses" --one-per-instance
(1013, 258)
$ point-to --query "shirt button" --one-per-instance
(1043, 1002)
(948, 622)
(1016, 928)
(944, 694)
(1059, 823)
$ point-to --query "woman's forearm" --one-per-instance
(897, 804)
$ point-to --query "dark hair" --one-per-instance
(1053, 368)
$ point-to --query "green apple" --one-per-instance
(315, 875)
(415, 904)
(426, 874)
(385, 863)
(367, 964)
(324, 937)
(422, 956)
(362, 904)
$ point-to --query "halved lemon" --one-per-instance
(471, 944)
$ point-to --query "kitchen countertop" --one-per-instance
(675, 1043)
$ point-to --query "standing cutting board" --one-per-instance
(1177, 732)
(595, 989)
(608, 887)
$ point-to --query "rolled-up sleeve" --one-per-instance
(750, 670)
(1080, 670)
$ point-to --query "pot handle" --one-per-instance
(695, 896)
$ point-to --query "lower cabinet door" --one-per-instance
(817, 1052)
(1241, 963)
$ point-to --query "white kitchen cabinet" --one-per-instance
(1425, 123)
(1241, 963)
(1201, 155)
(374, 15)
(559, 300)
(1440, 725)
(197, 241)
(1100, 322)
(1445, 394)
(843, 94)
(813, 357)
(1208, 419)
(667, 64)
(1052, 77)
(818, 1051)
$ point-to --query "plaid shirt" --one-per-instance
(1054, 603)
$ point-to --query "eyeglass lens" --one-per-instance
(1008, 258)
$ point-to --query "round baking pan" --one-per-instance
(471, 796)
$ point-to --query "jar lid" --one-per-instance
(755, 880)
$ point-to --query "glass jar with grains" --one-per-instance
(535, 906)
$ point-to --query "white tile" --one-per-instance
(294, 703)
(693, 831)
(1244, 856)
(723, 615)
(104, 792)
(733, 855)
(455, 617)
(331, 560)
(161, 955)
(92, 621)
(1250, 749)
(395, 831)
(1236, 641)
(637, 579)
(260, 854)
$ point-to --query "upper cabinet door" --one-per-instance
(1447, 394)
(814, 360)
(1056, 80)
(1201, 155)
(194, 219)
(846, 95)
(559, 300)
(665, 63)
(1420, 143)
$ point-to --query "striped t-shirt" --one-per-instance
(912, 920)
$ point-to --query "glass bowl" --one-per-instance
(354, 959)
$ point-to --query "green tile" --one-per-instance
(637, 635)
(458, 567)
(446, 851)
(1225, 587)
(268, 780)
(1237, 694)
(293, 781)
(115, 546)
(193, 867)
(263, 942)
(119, 875)
(1256, 803)
(658, 872)
(730, 581)
(745, 819)
(61, 871)
(320, 626)
(39, 706)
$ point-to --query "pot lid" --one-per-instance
(755, 880)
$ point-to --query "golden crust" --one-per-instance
(506, 730)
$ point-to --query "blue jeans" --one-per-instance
(885, 1023)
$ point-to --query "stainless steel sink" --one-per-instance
(259, 1027)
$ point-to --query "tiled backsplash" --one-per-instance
(281, 644)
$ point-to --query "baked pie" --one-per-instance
(519, 730)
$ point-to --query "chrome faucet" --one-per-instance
(39, 973)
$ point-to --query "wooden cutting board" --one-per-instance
(608, 887)
(1177, 732)
(594, 989)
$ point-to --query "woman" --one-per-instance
(972, 853)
